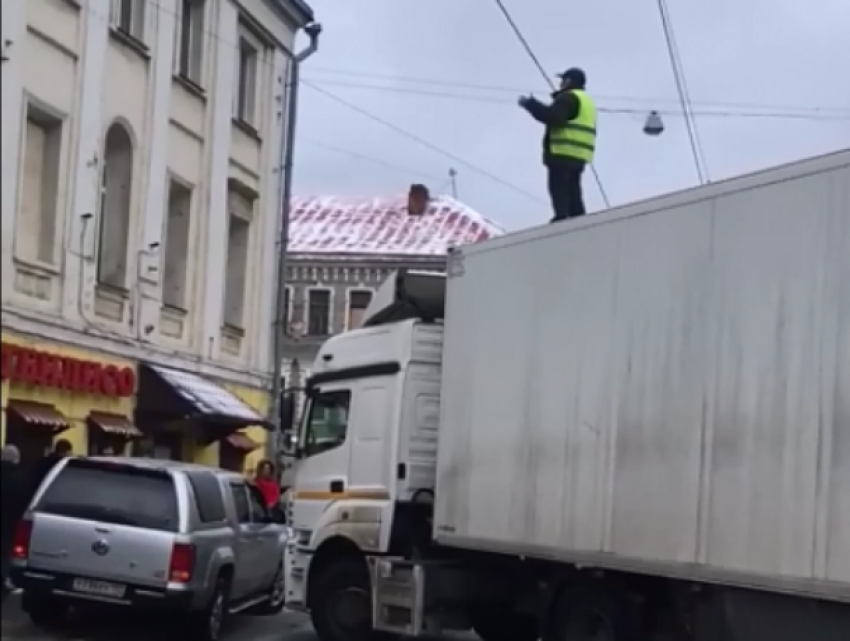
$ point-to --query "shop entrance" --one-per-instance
(110, 434)
(32, 427)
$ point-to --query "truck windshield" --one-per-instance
(327, 422)
(112, 493)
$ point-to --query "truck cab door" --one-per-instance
(325, 451)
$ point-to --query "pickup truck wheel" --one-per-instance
(277, 596)
(504, 625)
(590, 613)
(208, 623)
(44, 611)
(342, 606)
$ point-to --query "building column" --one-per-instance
(270, 218)
(212, 274)
(13, 33)
(80, 263)
(154, 201)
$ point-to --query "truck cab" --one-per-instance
(365, 450)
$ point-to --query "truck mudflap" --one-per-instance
(409, 598)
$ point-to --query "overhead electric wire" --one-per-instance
(682, 90)
(518, 32)
(372, 159)
(838, 112)
(421, 141)
(629, 111)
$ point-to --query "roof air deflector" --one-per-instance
(408, 294)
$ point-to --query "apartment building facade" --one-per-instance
(140, 206)
(342, 249)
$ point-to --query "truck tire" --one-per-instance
(504, 625)
(341, 609)
(277, 596)
(44, 611)
(593, 613)
(207, 624)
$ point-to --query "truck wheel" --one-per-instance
(494, 625)
(208, 623)
(44, 611)
(341, 609)
(588, 613)
(277, 596)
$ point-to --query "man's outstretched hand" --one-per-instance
(524, 101)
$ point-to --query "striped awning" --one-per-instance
(114, 424)
(37, 414)
(242, 441)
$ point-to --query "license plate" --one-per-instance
(100, 588)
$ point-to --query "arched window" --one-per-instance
(115, 199)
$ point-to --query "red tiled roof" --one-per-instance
(383, 227)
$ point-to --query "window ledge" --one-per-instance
(113, 292)
(38, 267)
(191, 86)
(233, 330)
(174, 311)
(130, 42)
(247, 128)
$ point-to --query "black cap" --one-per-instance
(575, 76)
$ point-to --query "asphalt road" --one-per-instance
(289, 626)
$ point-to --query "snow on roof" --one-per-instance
(383, 227)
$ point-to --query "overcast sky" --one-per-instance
(449, 72)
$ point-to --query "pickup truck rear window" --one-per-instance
(113, 493)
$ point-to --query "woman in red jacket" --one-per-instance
(266, 482)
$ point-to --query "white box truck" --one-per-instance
(634, 426)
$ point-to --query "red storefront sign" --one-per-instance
(39, 368)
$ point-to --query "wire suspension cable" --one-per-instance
(518, 33)
(682, 90)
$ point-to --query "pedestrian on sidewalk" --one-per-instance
(13, 503)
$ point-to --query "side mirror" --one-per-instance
(287, 413)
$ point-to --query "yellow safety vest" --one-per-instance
(576, 139)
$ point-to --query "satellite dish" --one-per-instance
(653, 126)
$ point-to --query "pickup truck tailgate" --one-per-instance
(106, 521)
(101, 550)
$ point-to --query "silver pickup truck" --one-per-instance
(147, 533)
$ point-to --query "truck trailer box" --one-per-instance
(662, 388)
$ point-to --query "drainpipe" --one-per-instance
(287, 152)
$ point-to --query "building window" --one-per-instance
(318, 312)
(241, 208)
(128, 16)
(115, 200)
(36, 236)
(358, 301)
(248, 62)
(190, 52)
(177, 227)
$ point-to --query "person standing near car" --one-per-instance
(61, 449)
(15, 496)
(267, 483)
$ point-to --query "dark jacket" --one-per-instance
(564, 107)
(41, 469)
(15, 496)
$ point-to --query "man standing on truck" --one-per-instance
(569, 141)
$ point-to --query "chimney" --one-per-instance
(417, 200)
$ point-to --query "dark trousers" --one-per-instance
(564, 176)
